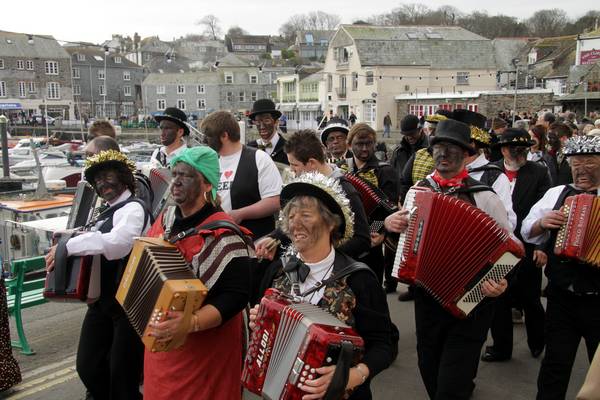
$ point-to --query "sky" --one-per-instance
(95, 21)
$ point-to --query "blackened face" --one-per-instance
(169, 132)
(306, 227)
(108, 185)
(336, 143)
(186, 185)
(448, 157)
(363, 147)
(266, 126)
(586, 171)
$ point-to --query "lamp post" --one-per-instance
(515, 62)
(105, 82)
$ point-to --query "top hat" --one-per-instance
(334, 124)
(515, 137)
(454, 132)
(264, 106)
(477, 122)
(174, 114)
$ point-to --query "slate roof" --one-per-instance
(441, 46)
(16, 45)
(506, 49)
(182, 78)
(95, 56)
(249, 39)
(317, 36)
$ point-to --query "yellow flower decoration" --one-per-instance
(109, 155)
(435, 118)
(480, 135)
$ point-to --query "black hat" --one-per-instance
(477, 123)
(264, 106)
(515, 137)
(454, 132)
(409, 124)
(334, 124)
(174, 114)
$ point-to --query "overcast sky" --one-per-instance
(95, 21)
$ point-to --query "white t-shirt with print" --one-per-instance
(269, 179)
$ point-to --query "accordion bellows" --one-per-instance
(450, 248)
(579, 238)
(157, 279)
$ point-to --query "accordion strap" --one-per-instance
(337, 386)
(211, 226)
(344, 272)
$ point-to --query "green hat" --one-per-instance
(205, 160)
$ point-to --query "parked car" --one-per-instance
(38, 119)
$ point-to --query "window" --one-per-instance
(228, 78)
(181, 104)
(29, 65)
(101, 74)
(200, 89)
(161, 104)
(369, 78)
(101, 90)
(51, 68)
(147, 57)
(127, 91)
(160, 89)
(80, 57)
(126, 75)
(117, 60)
(253, 79)
(462, 78)
(76, 73)
(473, 107)
(180, 89)
(355, 81)
(370, 111)
(1, 63)
(20, 64)
(242, 96)
(2, 89)
(230, 96)
(329, 83)
(254, 96)
(201, 104)
(53, 91)
(32, 88)
(76, 90)
(22, 89)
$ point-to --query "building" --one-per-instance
(256, 45)
(588, 48)
(105, 84)
(312, 45)
(584, 90)
(35, 74)
(201, 51)
(506, 50)
(368, 66)
(301, 99)
(196, 93)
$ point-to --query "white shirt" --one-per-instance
(501, 186)
(128, 223)
(155, 158)
(539, 209)
(318, 272)
(273, 141)
(269, 178)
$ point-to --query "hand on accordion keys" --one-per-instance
(168, 327)
(491, 288)
(398, 221)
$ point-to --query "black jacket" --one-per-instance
(405, 151)
(278, 155)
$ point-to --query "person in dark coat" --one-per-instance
(266, 118)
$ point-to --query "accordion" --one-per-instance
(160, 179)
(83, 205)
(450, 248)
(158, 279)
(579, 238)
(289, 342)
(376, 203)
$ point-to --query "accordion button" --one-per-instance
(304, 373)
(329, 359)
(312, 370)
(310, 377)
(307, 367)
(302, 379)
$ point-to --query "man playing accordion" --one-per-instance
(317, 219)
(573, 292)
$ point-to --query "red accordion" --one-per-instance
(579, 238)
(450, 248)
(290, 341)
(376, 203)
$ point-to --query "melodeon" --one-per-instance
(157, 279)
(579, 238)
(290, 341)
(450, 248)
(376, 203)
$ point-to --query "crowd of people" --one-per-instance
(314, 237)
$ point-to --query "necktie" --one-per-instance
(296, 269)
(265, 145)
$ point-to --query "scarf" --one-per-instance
(455, 181)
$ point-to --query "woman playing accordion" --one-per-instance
(317, 219)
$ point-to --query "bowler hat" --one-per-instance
(515, 137)
(264, 106)
(454, 132)
(334, 124)
(409, 124)
(175, 115)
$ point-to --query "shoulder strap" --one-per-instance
(487, 167)
(342, 273)
(212, 226)
(566, 192)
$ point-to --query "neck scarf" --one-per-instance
(455, 181)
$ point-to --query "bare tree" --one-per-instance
(315, 20)
(236, 31)
(546, 23)
(211, 26)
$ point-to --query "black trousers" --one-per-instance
(110, 357)
(388, 260)
(525, 292)
(374, 259)
(448, 347)
(569, 318)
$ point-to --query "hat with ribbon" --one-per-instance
(175, 115)
(204, 160)
(334, 124)
(515, 137)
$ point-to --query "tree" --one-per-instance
(211, 26)
(493, 26)
(545, 23)
(315, 20)
(236, 31)
(584, 23)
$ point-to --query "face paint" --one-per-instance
(168, 132)
(363, 147)
(186, 184)
(108, 185)
(448, 157)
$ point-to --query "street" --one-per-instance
(53, 332)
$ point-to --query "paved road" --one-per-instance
(53, 331)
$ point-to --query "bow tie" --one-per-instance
(263, 145)
(296, 270)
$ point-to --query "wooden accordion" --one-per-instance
(289, 342)
(579, 238)
(157, 279)
(450, 248)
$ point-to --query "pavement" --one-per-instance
(53, 332)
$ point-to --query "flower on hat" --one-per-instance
(480, 135)
(435, 118)
(109, 155)
(581, 145)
